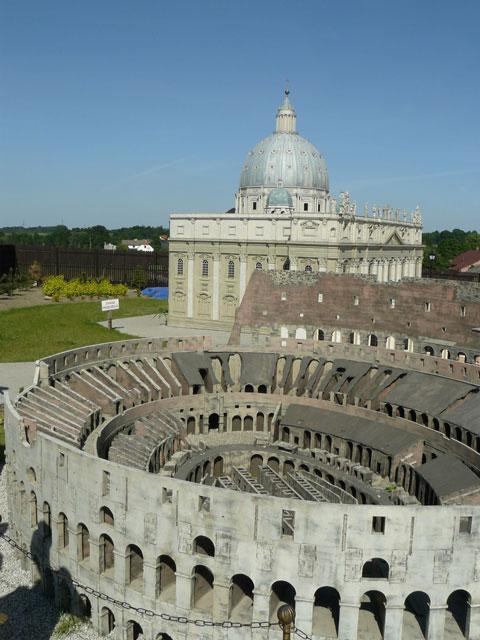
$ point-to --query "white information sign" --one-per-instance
(110, 305)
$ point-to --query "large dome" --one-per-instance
(284, 158)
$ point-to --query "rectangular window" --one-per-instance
(392, 303)
(205, 229)
(305, 206)
(465, 524)
(463, 312)
(254, 206)
(232, 230)
(204, 503)
(320, 297)
(378, 524)
(356, 300)
(288, 522)
(259, 231)
(284, 295)
(167, 495)
(61, 460)
(105, 483)
(428, 306)
(180, 230)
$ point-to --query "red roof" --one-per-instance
(466, 259)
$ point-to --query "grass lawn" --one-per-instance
(34, 332)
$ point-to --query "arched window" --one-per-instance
(259, 266)
(326, 612)
(106, 554)
(205, 268)
(62, 528)
(83, 542)
(166, 579)
(308, 268)
(134, 630)
(241, 599)
(202, 592)
(231, 269)
(134, 567)
(33, 509)
(106, 516)
(204, 546)
(107, 621)
(47, 520)
(376, 568)
(180, 267)
(281, 593)
(286, 265)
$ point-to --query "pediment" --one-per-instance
(394, 240)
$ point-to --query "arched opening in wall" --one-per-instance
(317, 441)
(107, 621)
(446, 429)
(371, 616)
(260, 421)
(83, 542)
(400, 412)
(134, 567)
(190, 425)
(62, 531)
(134, 630)
(198, 474)
(390, 342)
(406, 344)
(288, 467)
(320, 335)
(458, 434)
(412, 415)
(307, 439)
(106, 516)
(468, 438)
(376, 568)
(281, 593)
(445, 353)
(389, 409)
(461, 357)
(351, 337)
(213, 422)
(202, 591)
(241, 599)
(47, 520)
(165, 579)
(249, 388)
(336, 336)
(326, 612)
(107, 557)
(204, 546)
(163, 636)
(372, 340)
(328, 443)
(286, 265)
(425, 420)
(31, 475)
(436, 424)
(248, 423)
(84, 606)
(218, 467)
(273, 463)
(256, 461)
(206, 468)
(269, 421)
(303, 467)
(285, 434)
(33, 509)
(429, 350)
(416, 615)
(457, 615)
(284, 333)
(262, 388)
(236, 423)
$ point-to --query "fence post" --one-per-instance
(57, 262)
(96, 263)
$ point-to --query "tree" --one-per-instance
(139, 280)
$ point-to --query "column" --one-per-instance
(149, 581)
(190, 281)
(261, 606)
(216, 287)
(220, 601)
(304, 614)
(348, 621)
(393, 622)
(436, 622)
(418, 273)
(183, 584)
(120, 565)
(243, 277)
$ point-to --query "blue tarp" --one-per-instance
(159, 293)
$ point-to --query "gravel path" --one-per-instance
(31, 616)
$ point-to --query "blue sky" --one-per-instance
(119, 112)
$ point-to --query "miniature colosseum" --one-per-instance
(342, 479)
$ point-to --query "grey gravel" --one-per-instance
(31, 616)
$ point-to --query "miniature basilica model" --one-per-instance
(284, 219)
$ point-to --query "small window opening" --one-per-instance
(254, 206)
(204, 503)
(305, 206)
(378, 524)
(288, 522)
(465, 524)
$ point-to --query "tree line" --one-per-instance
(447, 245)
(81, 238)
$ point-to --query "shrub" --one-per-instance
(66, 624)
(139, 280)
(57, 287)
(35, 271)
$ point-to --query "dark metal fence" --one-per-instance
(117, 266)
(460, 276)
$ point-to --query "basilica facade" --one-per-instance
(284, 219)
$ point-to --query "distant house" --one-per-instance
(108, 246)
(467, 261)
(146, 248)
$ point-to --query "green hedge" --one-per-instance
(57, 287)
